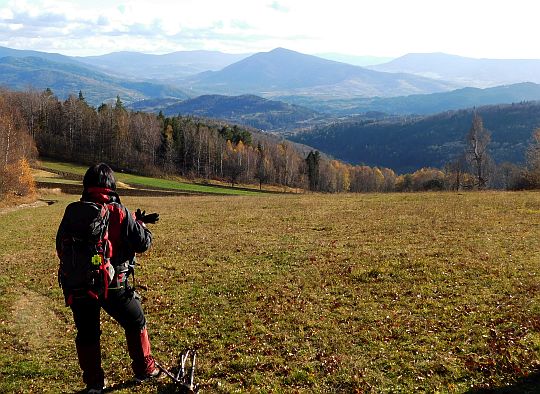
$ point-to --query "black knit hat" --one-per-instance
(99, 175)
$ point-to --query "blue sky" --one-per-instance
(391, 28)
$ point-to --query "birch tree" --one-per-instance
(477, 154)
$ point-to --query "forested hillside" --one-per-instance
(146, 143)
(248, 110)
(407, 144)
(149, 143)
(66, 78)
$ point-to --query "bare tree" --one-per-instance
(533, 158)
(477, 154)
(455, 173)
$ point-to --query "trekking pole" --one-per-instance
(165, 371)
(183, 359)
(192, 368)
(182, 379)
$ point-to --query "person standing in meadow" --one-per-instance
(96, 243)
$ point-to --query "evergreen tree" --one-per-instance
(312, 162)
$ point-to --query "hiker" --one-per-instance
(99, 278)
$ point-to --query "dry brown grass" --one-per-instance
(432, 292)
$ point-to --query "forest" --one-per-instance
(149, 144)
(410, 142)
(37, 123)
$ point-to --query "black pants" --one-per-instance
(123, 305)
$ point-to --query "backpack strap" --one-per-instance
(105, 267)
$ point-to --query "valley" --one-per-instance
(307, 99)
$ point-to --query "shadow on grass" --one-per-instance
(162, 387)
(114, 387)
(526, 385)
(170, 388)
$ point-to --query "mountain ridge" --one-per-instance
(272, 73)
(465, 71)
(21, 53)
(67, 78)
(174, 66)
(424, 104)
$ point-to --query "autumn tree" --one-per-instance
(263, 168)
(144, 130)
(363, 179)
(148, 143)
(510, 176)
(426, 179)
(342, 175)
(16, 146)
(389, 180)
(456, 173)
(233, 161)
(404, 183)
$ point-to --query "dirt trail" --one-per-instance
(35, 323)
(35, 204)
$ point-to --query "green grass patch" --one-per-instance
(146, 182)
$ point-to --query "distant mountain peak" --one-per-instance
(465, 71)
(283, 50)
(283, 71)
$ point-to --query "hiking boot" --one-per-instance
(96, 389)
(148, 376)
(142, 362)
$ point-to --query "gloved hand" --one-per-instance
(139, 215)
(151, 218)
(143, 217)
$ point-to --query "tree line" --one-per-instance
(151, 144)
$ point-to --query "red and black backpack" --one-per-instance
(84, 251)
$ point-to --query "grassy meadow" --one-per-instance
(427, 292)
(138, 181)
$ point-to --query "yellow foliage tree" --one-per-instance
(25, 183)
(428, 179)
(16, 145)
(379, 179)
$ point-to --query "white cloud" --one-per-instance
(479, 28)
(276, 5)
